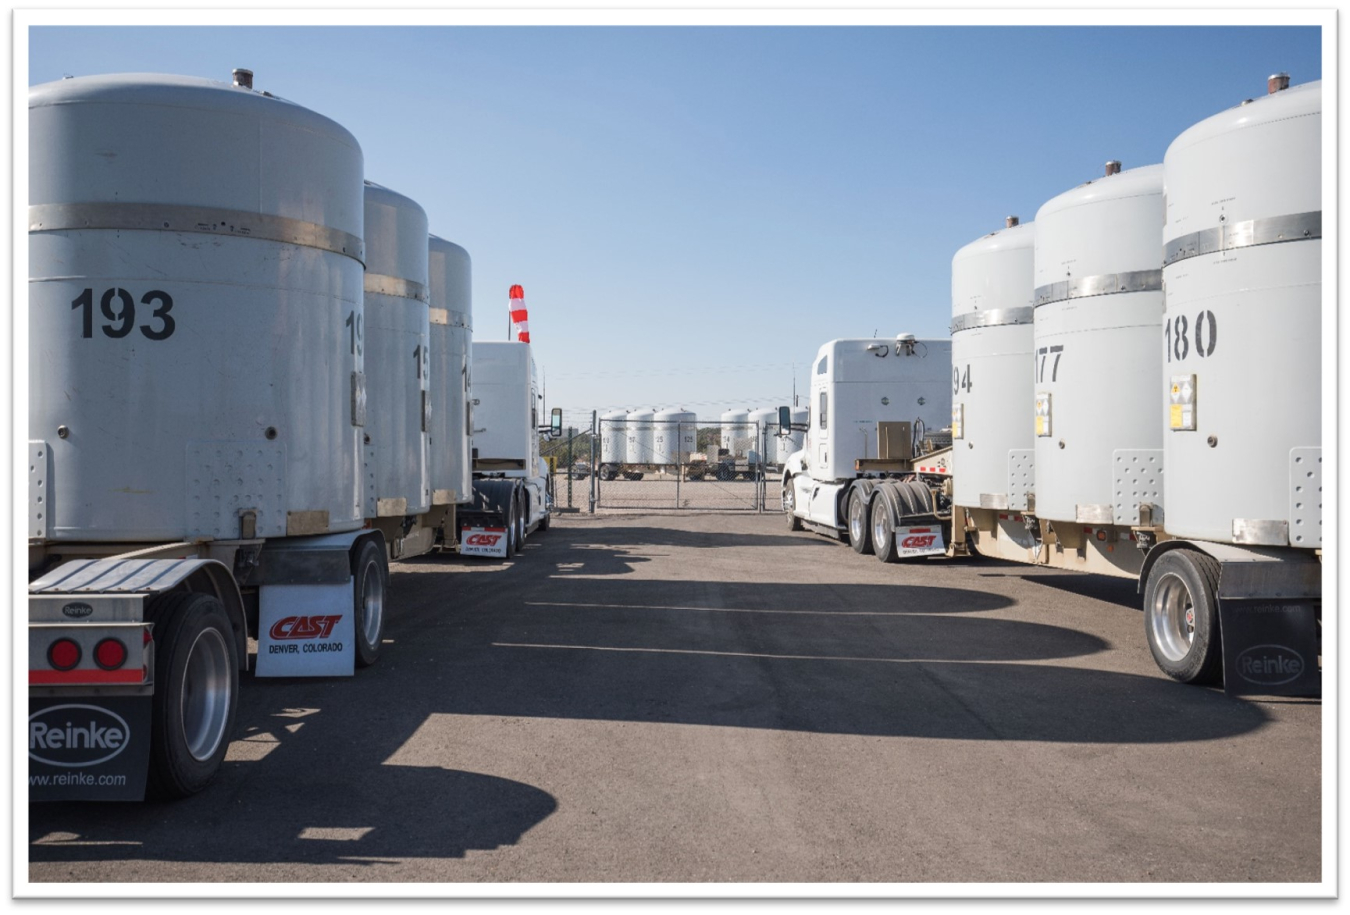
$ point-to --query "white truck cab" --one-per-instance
(871, 403)
(510, 481)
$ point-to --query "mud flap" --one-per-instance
(88, 748)
(1270, 647)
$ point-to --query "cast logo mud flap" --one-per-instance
(483, 541)
(306, 631)
(1269, 648)
(88, 748)
(920, 541)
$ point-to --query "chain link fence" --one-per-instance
(664, 461)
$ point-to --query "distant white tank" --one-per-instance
(1242, 369)
(613, 437)
(992, 344)
(736, 435)
(451, 314)
(398, 344)
(762, 425)
(640, 440)
(195, 309)
(794, 441)
(1098, 317)
(674, 436)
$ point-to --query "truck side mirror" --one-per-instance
(555, 423)
(784, 421)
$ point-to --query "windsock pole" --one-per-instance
(520, 318)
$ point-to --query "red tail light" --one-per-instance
(110, 654)
(64, 654)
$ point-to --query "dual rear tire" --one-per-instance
(859, 524)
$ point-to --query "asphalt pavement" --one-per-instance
(708, 697)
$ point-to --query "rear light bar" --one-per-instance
(99, 655)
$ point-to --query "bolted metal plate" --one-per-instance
(1021, 478)
(1305, 497)
(39, 490)
(1258, 532)
(994, 500)
(1093, 514)
(391, 508)
(1137, 480)
(306, 523)
(368, 476)
(225, 479)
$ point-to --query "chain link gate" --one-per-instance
(569, 461)
(682, 464)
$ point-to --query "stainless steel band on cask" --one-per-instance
(165, 217)
(993, 317)
(446, 317)
(1246, 234)
(380, 284)
(1082, 287)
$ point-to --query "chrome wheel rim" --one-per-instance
(789, 499)
(372, 602)
(856, 524)
(205, 707)
(1173, 617)
(879, 530)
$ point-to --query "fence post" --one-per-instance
(595, 466)
(571, 465)
(679, 460)
(761, 430)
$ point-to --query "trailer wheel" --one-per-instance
(1181, 616)
(883, 532)
(196, 692)
(859, 525)
(370, 583)
(725, 473)
(790, 505)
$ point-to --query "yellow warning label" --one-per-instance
(1176, 416)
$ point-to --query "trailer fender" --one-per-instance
(152, 576)
(886, 492)
(325, 559)
(867, 487)
(1245, 572)
(493, 496)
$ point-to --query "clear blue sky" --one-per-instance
(692, 210)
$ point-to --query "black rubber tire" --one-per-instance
(882, 531)
(510, 525)
(725, 473)
(184, 622)
(522, 519)
(368, 560)
(789, 502)
(859, 523)
(1188, 581)
(545, 521)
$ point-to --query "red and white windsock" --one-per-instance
(520, 318)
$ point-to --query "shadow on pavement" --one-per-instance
(533, 641)
(316, 793)
(1123, 592)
